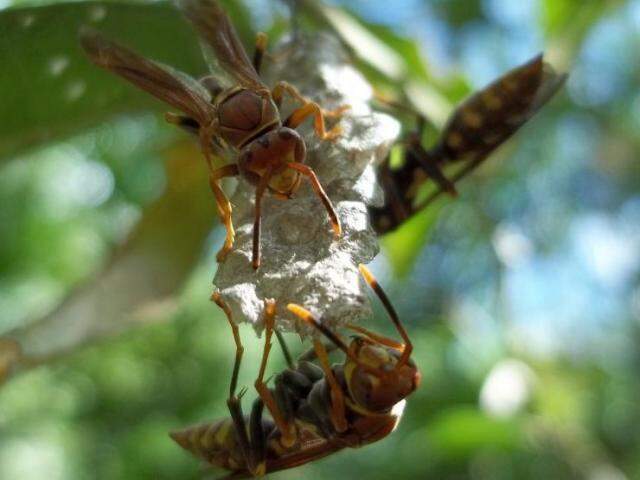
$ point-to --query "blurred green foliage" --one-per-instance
(522, 297)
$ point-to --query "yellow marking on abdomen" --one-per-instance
(491, 100)
(454, 140)
(472, 119)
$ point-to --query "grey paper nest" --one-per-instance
(302, 262)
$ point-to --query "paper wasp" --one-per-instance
(315, 410)
(474, 130)
(244, 117)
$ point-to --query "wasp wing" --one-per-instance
(292, 460)
(217, 31)
(174, 87)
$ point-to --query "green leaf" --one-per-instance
(459, 432)
(403, 246)
(457, 13)
(50, 89)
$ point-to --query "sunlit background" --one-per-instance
(522, 297)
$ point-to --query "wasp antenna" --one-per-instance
(308, 317)
(393, 315)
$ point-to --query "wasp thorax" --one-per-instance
(272, 152)
(243, 114)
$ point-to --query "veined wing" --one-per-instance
(217, 31)
(174, 87)
(295, 459)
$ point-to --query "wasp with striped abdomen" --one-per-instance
(244, 117)
(315, 410)
(477, 127)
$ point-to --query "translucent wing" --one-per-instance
(174, 87)
(216, 30)
(305, 455)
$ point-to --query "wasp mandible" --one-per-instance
(477, 127)
(244, 117)
(315, 410)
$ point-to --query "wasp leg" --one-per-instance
(258, 440)
(307, 109)
(426, 159)
(261, 46)
(468, 168)
(287, 430)
(224, 206)
(284, 399)
(257, 223)
(338, 414)
(234, 402)
(413, 140)
(317, 187)
(311, 108)
(215, 297)
(431, 168)
(285, 350)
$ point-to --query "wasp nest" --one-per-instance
(302, 262)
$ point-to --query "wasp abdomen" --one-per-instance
(490, 116)
(215, 443)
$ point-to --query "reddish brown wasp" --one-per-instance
(476, 128)
(244, 117)
(315, 410)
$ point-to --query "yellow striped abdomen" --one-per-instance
(213, 442)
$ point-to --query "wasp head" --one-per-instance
(377, 375)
